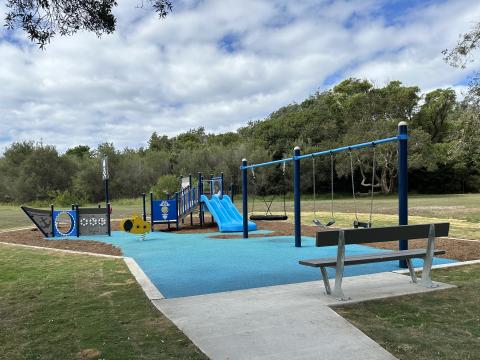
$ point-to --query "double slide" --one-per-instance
(225, 214)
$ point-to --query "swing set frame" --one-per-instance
(402, 179)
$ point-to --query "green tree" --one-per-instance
(79, 151)
(43, 19)
(159, 143)
(434, 113)
(166, 185)
(33, 171)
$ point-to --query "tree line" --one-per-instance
(444, 150)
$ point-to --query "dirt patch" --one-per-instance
(33, 237)
(88, 354)
(455, 249)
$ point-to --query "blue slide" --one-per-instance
(226, 214)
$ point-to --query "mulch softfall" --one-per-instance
(455, 249)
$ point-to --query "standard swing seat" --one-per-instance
(343, 237)
(269, 217)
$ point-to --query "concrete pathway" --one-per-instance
(284, 322)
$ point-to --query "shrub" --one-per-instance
(166, 184)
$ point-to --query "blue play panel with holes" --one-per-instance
(193, 264)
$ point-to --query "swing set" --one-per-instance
(401, 138)
(268, 216)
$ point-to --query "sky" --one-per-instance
(217, 64)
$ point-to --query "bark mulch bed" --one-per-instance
(33, 237)
(455, 249)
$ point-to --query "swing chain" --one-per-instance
(373, 183)
(314, 190)
(254, 190)
(353, 184)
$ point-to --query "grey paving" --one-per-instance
(284, 322)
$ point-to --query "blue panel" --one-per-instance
(73, 218)
(164, 210)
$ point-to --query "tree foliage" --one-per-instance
(444, 150)
(43, 19)
(463, 51)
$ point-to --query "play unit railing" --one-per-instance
(183, 203)
(402, 179)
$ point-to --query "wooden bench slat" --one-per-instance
(381, 234)
(371, 258)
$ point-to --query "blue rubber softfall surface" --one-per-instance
(193, 264)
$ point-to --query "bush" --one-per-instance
(166, 184)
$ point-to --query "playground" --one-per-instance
(198, 243)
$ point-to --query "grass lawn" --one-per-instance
(463, 211)
(439, 325)
(64, 306)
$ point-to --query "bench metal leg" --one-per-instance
(411, 270)
(326, 282)
(338, 292)
(427, 263)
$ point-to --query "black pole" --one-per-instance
(144, 207)
(152, 224)
(53, 220)
(107, 193)
(245, 199)
(77, 219)
(109, 226)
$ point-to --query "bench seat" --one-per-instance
(371, 258)
(343, 237)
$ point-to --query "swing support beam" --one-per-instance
(401, 138)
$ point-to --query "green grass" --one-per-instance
(462, 210)
(12, 216)
(439, 325)
(63, 306)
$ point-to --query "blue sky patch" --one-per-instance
(230, 43)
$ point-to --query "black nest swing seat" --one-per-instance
(268, 217)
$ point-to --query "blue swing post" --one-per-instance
(245, 198)
(403, 183)
(296, 197)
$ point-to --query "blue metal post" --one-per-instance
(200, 192)
(221, 185)
(245, 198)
(403, 182)
(296, 197)
(144, 207)
(178, 210)
(190, 198)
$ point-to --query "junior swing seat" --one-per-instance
(269, 217)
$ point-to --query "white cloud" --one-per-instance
(171, 75)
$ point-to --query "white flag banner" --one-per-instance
(105, 168)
